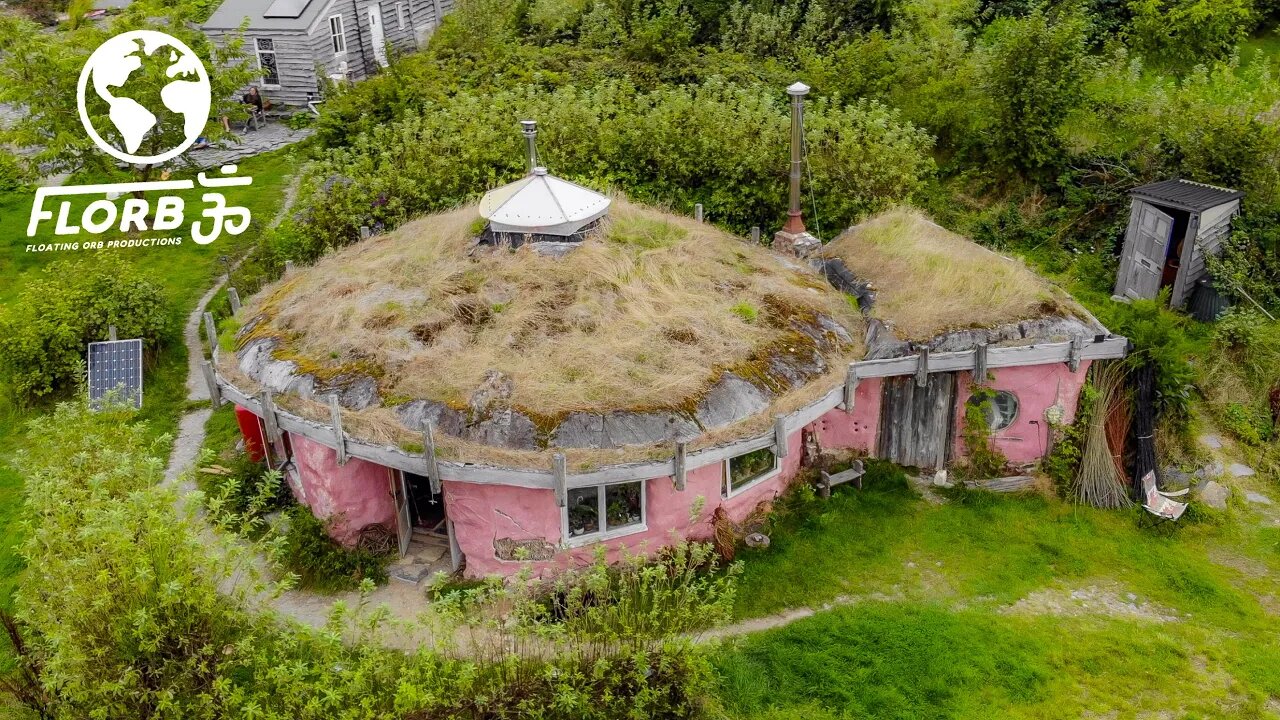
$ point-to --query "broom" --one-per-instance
(1099, 482)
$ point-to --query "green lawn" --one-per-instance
(186, 272)
(921, 627)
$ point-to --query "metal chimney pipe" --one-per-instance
(530, 132)
(795, 223)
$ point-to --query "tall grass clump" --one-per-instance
(1099, 481)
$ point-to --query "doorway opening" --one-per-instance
(1173, 248)
(426, 508)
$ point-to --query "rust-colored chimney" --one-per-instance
(793, 239)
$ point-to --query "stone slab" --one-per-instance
(1211, 441)
(1257, 498)
(1238, 470)
(1214, 494)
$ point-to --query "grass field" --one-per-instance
(185, 272)
(927, 621)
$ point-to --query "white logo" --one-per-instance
(109, 70)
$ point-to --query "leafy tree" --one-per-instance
(1185, 32)
(1035, 72)
(39, 72)
(43, 336)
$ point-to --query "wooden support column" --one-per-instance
(850, 387)
(1073, 354)
(980, 364)
(339, 437)
(429, 451)
(560, 479)
(755, 234)
(697, 212)
(780, 435)
(211, 379)
(680, 464)
(111, 333)
(233, 297)
(269, 416)
(211, 332)
(922, 367)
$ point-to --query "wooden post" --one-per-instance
(697, 212)
(211, 331)
(980, 364)
(233, 297)
(922, 367)
(288, 268)
(1073, 354)
(681, 472)
(560, 479)
(824, 485)
(850, 387)
(111, 333)
(429, 450)
(780, 435)
(211, 379)
(365, 232)
(755, 234)
(269, 416)
(339, 437)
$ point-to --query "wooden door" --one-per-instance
(404, 524)
(915, 422)
(1148, 247)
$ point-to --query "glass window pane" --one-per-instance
(745, 468)
(622, 505)
(584, 511)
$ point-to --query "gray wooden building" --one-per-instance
(291, 40)
(1173, 226)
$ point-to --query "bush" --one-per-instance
(320, 562)
(1161, 337)
(243, 497)
(1185, 32)
(45, 335)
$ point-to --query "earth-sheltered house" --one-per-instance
(557, 370)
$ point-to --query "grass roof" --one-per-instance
(929, 280)
(646, 314)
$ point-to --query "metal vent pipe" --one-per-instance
(530, 132)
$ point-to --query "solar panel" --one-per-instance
(286, 8)
(115, 366)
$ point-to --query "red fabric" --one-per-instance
(251, 429)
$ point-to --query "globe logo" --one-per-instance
(152, 61)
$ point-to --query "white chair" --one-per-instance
(1162, 504)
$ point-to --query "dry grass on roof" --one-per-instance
(643, 315)
(929, 280)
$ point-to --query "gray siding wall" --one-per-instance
(351, 63)
(293, 62)
(1215, 226)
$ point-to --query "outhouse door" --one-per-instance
(1149, 246)
(915, 421)
(404, 522)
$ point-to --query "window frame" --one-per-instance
(258, 53)
(605, 533)
(727, 489)
(994, 420)
(338, 36)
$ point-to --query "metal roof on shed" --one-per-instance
(1185, 194)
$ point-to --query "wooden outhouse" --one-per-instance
(1173, 226)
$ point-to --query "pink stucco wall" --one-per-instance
(1038, 387)
(354, 494)
(857, 430)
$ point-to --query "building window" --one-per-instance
(1002, 409)
(336, 35)
(267, 61)
(603, 511)
(400, 16)
(742, 471)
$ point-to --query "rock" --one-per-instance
(1238, 470)
(757, 540)
(1257, 498)
(493, 388)
(882, 343)
(794, 367)
(730, 400)
(410, 573)
(417, 413)
(835, 328)
(1214, 494)
(1210, 471)
(357, 392)
(1211, 441)
(1175, 478)
(505, 428)
(616, 429)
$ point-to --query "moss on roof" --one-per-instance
(929, 280)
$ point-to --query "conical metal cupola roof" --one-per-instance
(542, 204)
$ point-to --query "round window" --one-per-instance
(1002, 410)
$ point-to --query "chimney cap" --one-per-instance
(798, 89)
(529, 126)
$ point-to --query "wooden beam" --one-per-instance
(233, 297)
(679, 462)
(1073, 354)
(780, 435)
(339, 437)
(922, 367)
(211, 379)
(850, 387)
(211, 332)
(429, 451)
(559, 474)
(269, 418)
(980, 363)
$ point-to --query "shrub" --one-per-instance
(1159, 336)
(45, 335)
(982, 458)
(1189, 31)
(245, 495)
(1252, 425)
(320, 562)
